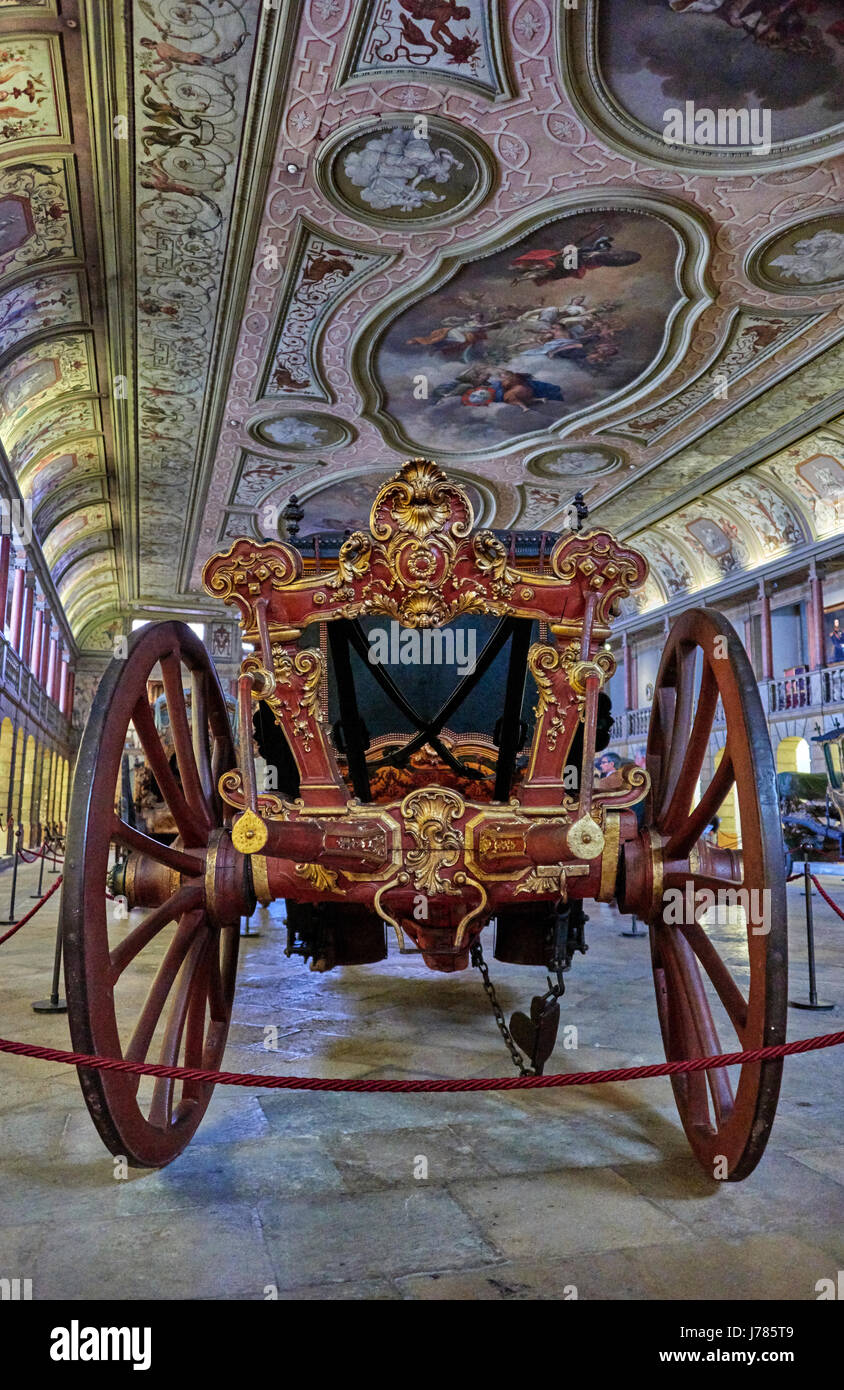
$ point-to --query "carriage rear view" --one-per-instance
(418, 723)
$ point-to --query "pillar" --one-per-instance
(26, 619)
(55, 690)
(50, 682)
(765, 630)
(44, 653)
(817, 636)
(17, 604)
(70, 687)
(5, 560)
(35, 648)
(61, 695)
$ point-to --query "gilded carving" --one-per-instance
(428, 817)
(322, 879)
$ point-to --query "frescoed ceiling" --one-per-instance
(254, 249)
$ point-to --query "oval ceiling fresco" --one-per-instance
(700, 81)
(809, 256)
(527, 337)
(406, 169)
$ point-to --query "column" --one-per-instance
(44, 654)
(50, 681)
(5, 560)
(35, 649)
(765, 629)
(26, 620)
(64, 683)
(17, 603)
(69, 692)
(817, 636)
(55, 689)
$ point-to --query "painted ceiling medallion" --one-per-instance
(702, 83)
(306, 432)
(809, 256)
(415, 170)
(522, 338)
(447, 42)
(572, 464)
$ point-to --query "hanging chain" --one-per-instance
(481, 965)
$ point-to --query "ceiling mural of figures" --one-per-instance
(741, 55)
(31, 97)
(520, 340)
(39, 375)
(406, 169)
(446, 40)
(810, 255)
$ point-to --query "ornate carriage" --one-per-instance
(508, 824)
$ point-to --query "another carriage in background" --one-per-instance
(437, 835)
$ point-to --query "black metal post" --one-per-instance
(54, 1005)
(639, 935)
(11, 917)
(812, 1002)
(41, 872)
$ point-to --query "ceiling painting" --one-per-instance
(531, 335)
(47, 301)
(661, 72)
(572, 465)
(305, 432)
(258, 476)
(93, 518)
(445, 42)
(59, 502)
(35, 213)
(752, 340)
(817, 480)
(38, 376)
(412, 170)
(192, 65)
(57, 424)
(57, 468)
(76, 554)
(31, 94)
(809, 255)
(321, 272)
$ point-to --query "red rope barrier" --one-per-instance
(483, 1083)
(826, 897)
(32, 911)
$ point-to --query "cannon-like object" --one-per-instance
(505, 827)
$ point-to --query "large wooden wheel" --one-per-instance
(158, 986)
(707, 970)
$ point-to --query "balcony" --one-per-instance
(17, 680)
(814, 692)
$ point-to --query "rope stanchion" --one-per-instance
(483, 1083)
(32, 911)
(826, 897)
(813, 1002)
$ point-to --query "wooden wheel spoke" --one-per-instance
(681, 704)
(199, 734)
(192, 826)
(191, 973)
(171, 671)
(186, 932)
(700, 1036)
(713, 798)
(186, 898)
(162, 854)
(718, 972)
(681, 786)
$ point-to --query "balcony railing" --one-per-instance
(809, 691)
(17, 680)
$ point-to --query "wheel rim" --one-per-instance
(712, 978)
(190, 958)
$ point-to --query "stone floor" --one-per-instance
(528, 1195)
